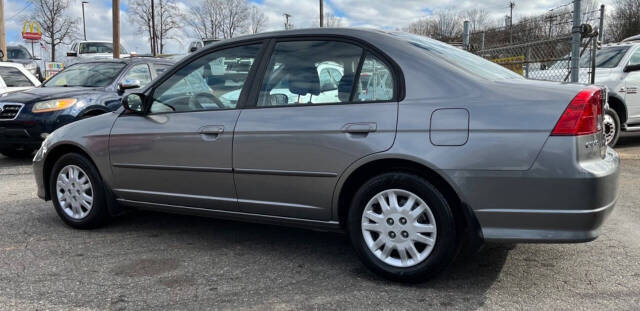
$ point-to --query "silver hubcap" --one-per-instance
(74, 192)
(609, 128)
(399, 228)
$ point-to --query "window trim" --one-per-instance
(398, 76)
(148, 101)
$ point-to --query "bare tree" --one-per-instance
(57, 27)
(140, 15)
(257, 19)
(330, 21)
(478, 18)
(167, 17)
(167, 21)
(624, 21)
(235, 14)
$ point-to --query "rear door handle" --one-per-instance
(211, 132)
(360, 128)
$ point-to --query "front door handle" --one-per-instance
(360, 128)
(211, 132)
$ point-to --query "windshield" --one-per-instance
(607, 57)
(99, 47)
(18, 53)
(465, 60)
(86, 74)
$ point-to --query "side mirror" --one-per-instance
(129, 84)
(193, 49)
(278, 100)
(133, 103)
(630, 68)
(37, 58)
(72, 54)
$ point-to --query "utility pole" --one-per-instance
(115, 11)
(84, 25)
(601, 30)
(153, 29)
(3, 34)
(321, 13)
(286, 21)
(511, 5)
(576, 39)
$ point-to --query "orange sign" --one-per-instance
(31, 31)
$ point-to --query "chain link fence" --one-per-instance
(540, 47)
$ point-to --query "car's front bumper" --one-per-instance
(564, 197)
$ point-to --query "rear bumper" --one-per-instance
(543, 226)
(564, 197)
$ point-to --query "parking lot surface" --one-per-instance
(158, 261)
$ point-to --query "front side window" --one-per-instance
(310, 72)
(87, 74)
(213, 81)
(635, 58)
(375, 82)
(14, 78)
(608, 57)
(141, 73)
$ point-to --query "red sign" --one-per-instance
(31, 31)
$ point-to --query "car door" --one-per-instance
(632, 88)
(179, 153)
(289, 152)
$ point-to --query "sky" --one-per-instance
(383, 14)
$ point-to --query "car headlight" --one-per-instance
(53, 105)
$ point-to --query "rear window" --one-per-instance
(460, 58)
(14, 78)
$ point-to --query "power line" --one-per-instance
(29, 3)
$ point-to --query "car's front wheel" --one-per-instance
(611, 124)
(402, 227)
(77, 192)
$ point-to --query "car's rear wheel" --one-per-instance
(17, 153)
(402, 227)
(611, 124)
(77, 192)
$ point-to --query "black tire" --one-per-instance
(446, 245)
(17, 153)
(99, 214)
(616, 121)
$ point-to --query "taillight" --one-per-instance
(583, 115)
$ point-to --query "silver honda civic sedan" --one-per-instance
(416, 149)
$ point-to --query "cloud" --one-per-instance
(384, 14)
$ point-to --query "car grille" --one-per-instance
(9, 111)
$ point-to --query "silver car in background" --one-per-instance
(423, 149)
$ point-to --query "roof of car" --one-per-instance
(130, 60)
(350, 32)
(10, 64)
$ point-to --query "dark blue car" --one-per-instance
(81, 90)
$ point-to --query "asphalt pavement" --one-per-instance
(153, 261)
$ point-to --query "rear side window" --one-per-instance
(375, 82)
(310, 72)
(635, 58)
(14, 78)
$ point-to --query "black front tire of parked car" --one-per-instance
(616, 120)
(99, 214)
(17, 153)
(446, 245)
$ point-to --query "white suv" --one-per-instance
(92, 50)
(618, 68)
